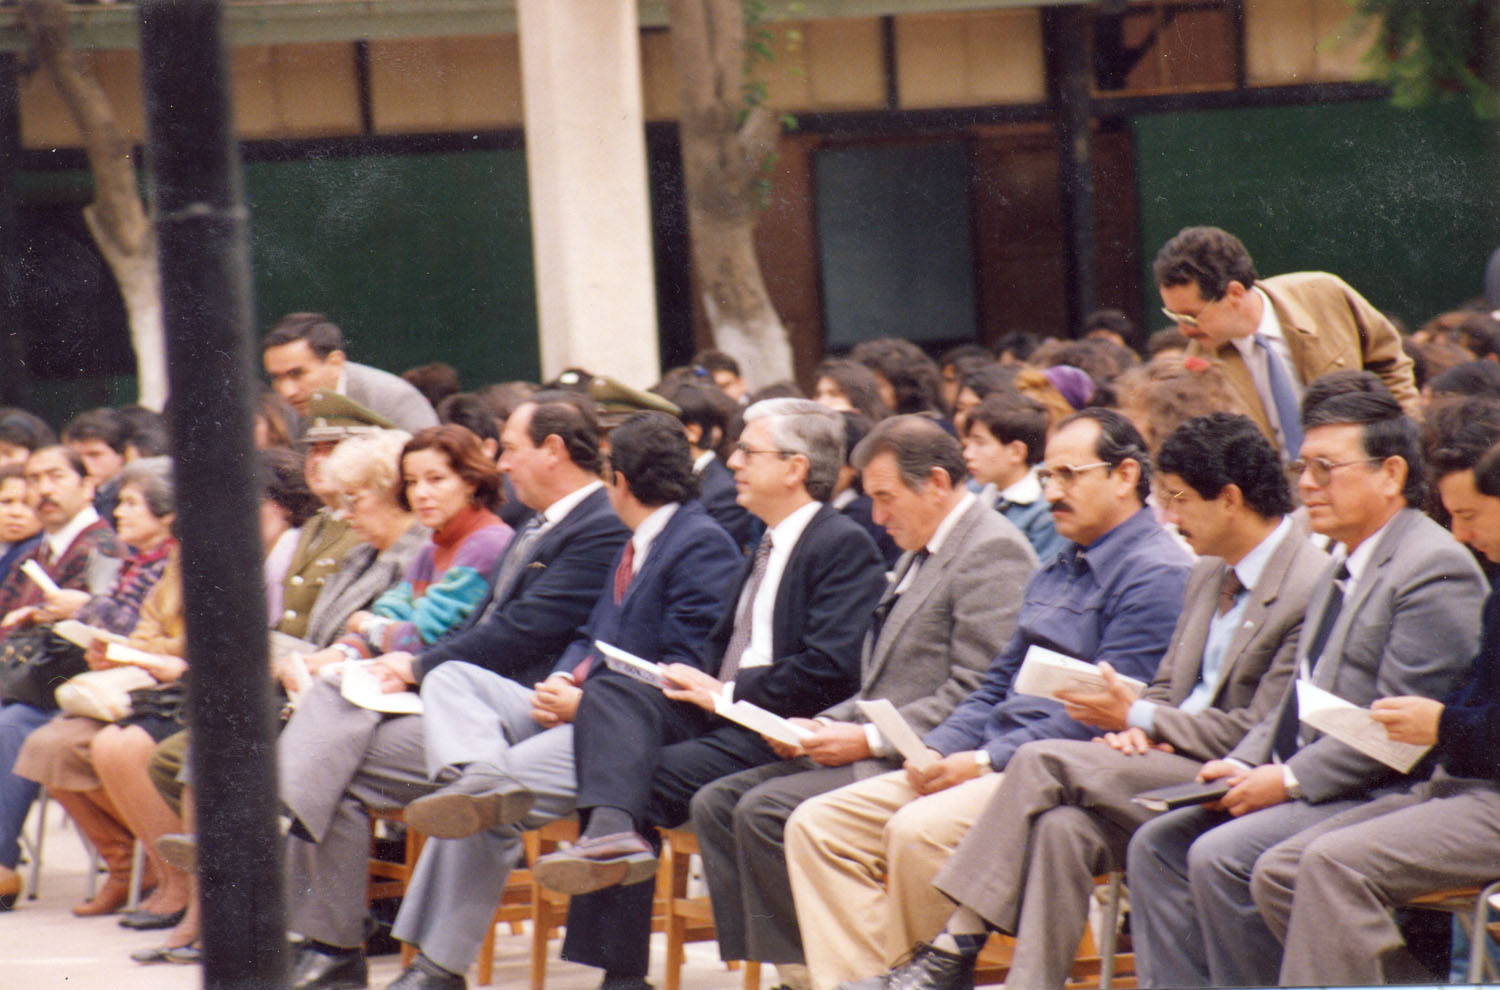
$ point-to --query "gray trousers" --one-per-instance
(1329, 893)
(1192, 920)
(336, 760)
(1062, 815)
(475, 715)
(740, 821)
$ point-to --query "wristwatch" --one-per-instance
(982, 761)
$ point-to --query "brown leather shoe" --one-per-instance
(10, 888)
(593, 864)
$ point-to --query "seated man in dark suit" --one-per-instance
(861, 858)
(949, 607)
(1064, 810)
(337, 759)
(506, 750)
(1328, 892)
(789, 643)
(1395, 613)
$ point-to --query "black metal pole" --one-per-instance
(15, 383)
(203, 248)
(1069, 84)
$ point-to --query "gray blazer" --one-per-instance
(390, 395)
(943, 631)
(361, 578)
(1258, 662)
(1409, 626)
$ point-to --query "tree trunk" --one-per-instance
(116, 218)
(726, 145)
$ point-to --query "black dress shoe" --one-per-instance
(927, 968)
(314, 970)
(592, 864)
(424, 974)
(613, 981)
(482, 797)
(147, 921)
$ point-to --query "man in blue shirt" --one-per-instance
(862, 858)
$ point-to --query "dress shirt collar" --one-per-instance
(558, 511)
(1025, 491)
(1357, 561)
(646, 533)
(949, 521)
(785, 534)
(59, 541)
(842, 499)
(1253, 564)
(701, 462)
(1110, 552)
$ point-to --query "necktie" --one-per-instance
(1229, 591)
(1284, 741)
(1284, 395)
(517, 556)
(740, 638)
(44, 556)
(883, 610)
(625, 571)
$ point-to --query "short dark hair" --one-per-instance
(1325, 387)
(1206, 256)
(703, 406)
(1170, 339)
(1221, 449)
(322, 335)
(1018, 345)
(711, 360)
(436, 381)
(1118, 441)
(859, 385)
(986, 381)
(465, 456)
(145, 430)
(103, 424)
(283, 481)
(965, 352)
(913, 376)
(1474, 378)
(651, 450)
(1459, 432)
(1385, 431)
(470, 411)
(919, 444)
(1011, 416)
(1487, 473)
(1113, 320)
(20, 428)
(75, 462)
(573, 419)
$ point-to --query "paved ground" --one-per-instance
(42, 946)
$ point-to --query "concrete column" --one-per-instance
(590, 208)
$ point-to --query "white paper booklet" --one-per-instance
(1045, 672)
(82, 634)
(1354, 726)
(883, 715)
(757, 719)
(34, 571)
(359, 687)
(631, 665)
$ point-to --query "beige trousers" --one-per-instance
(861, 861)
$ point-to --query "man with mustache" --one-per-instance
(862, 858)
(73, 535)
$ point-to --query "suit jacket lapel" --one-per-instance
(1200, 614)
(1326, 673)
(1257, 606)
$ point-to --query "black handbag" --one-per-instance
(34, 663)
(164, 701)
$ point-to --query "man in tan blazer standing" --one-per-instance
(1272, 337)
(1063, 812)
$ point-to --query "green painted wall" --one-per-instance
(419, 258)
(1404, 205)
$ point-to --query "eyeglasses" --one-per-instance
(1184, 318)
(1321, 468)
(1167, 496)
(749, 451)
(1066, 475)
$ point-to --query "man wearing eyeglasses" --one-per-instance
(1273, 336)
(1396, 613)
(862, 858)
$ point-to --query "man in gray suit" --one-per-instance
(949, 606)
(1063, 813)
(1396, 613)
(304, 352)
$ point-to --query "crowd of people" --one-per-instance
(1279, 499)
